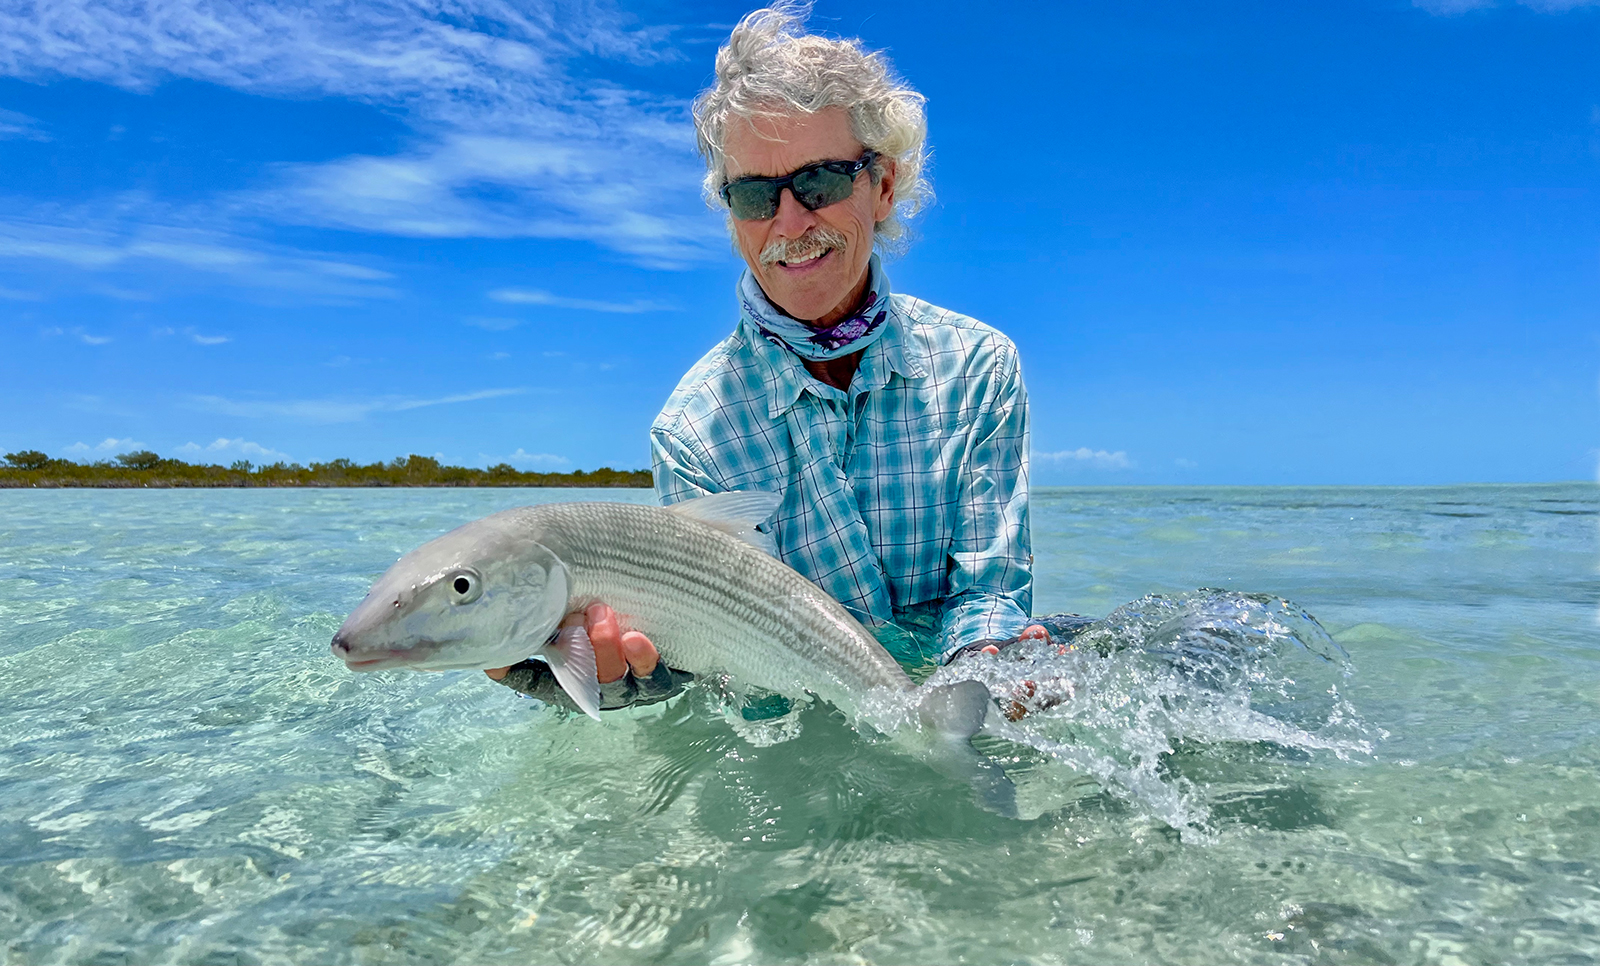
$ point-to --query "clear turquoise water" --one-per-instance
(188, 776)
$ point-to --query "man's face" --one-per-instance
(823, 271)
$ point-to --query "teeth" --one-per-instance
(808, 257)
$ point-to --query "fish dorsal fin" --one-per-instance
(571, 659)
(737, 513)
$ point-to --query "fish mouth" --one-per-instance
(374, 664)
(375, 660)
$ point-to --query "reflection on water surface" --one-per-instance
(188, 776)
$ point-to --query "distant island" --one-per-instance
(31, 468)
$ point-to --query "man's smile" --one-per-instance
(807, 261)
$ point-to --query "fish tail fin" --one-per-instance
(954, 713)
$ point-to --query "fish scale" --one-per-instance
(707, 599)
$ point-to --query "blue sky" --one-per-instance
(1353, 242)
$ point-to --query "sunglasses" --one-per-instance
(815, 186)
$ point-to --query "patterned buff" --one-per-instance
(818, 345)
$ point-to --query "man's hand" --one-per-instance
(629, 669)
(615, 651)
(1026, 696)
(1033, 632)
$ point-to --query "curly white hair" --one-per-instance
(771, 67)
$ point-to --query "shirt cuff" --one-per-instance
(979, 617)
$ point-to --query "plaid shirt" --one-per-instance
(905, 498)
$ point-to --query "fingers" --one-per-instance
(1034, 632)
(641, 655)
(606, 635)
(991, 649)
(1016, 710)
(615, 651)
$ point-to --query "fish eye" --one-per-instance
(465, 587)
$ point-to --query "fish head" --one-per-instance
(484, 595)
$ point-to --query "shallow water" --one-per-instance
(188, 776)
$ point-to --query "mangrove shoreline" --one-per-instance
(33, 469)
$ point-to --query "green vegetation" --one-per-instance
(144, 468)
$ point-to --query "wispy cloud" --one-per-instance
(76, 332)
(131, 236)
(20, 127)
(223, 447)
(509, 141)
(534, 296)
(548, 181)
(106, 447)
(336, 410)
(1098, 459)
(524, 460)
(100, 405)
(17, 295)
(125, 294)
(192, 334)
(1451, 7)
(492, 323)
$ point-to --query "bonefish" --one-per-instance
(694, 577)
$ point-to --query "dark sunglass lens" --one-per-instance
(819, 188)
(752, 200)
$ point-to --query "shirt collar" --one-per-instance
(897, 351)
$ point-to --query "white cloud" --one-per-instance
(125, 294)
(1185, 464)
(239, 448)
(1448, 8)
(195, 336)
(524, 460)
(546, 181)
(534, 296)
(77, 332)
(1098, 459)
(336, 410)
(20, 127)
(106, 447)
(509, 142)
(380, 50)
(132, 235)
(495, 324)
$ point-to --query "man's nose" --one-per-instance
(792, 218)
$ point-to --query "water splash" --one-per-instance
(1212, 672)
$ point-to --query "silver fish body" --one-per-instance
(710, 601)
(493, 592)
(713, 603)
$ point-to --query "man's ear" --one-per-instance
(883, 203)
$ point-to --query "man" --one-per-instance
(896, 431)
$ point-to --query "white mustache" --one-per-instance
(793, 249)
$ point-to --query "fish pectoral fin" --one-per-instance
(571, 659)
(737, 513)
(954, 713)
(956, 710)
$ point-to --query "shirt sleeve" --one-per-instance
(679, 472)
(991, 555)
